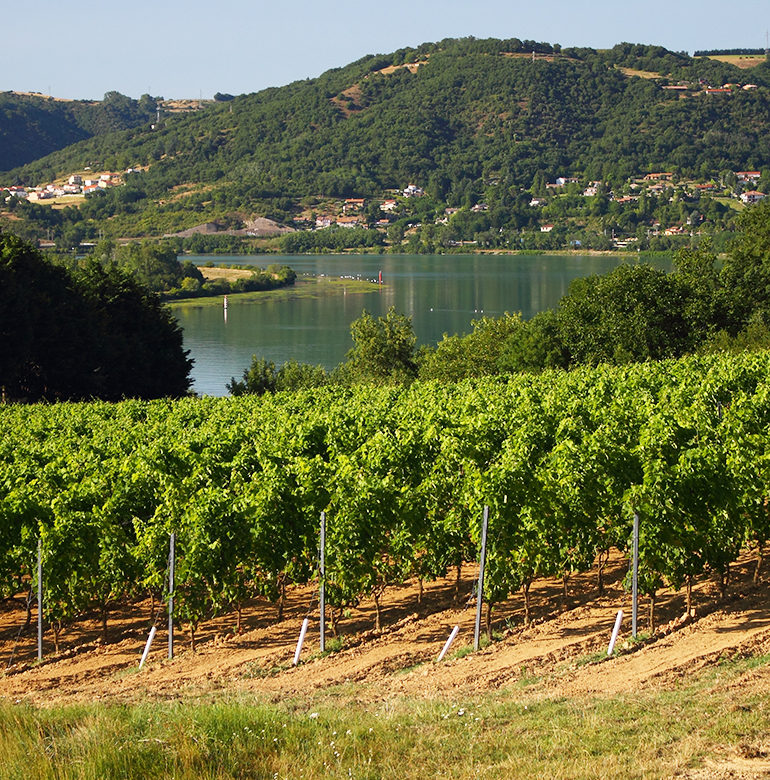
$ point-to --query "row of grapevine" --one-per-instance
(562, 459)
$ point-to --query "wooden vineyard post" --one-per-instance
(322, 581)
(171, 553)
(635, 577)
(480, 595)
(39, 599)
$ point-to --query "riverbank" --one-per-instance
(305, 287)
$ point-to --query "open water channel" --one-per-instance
(442, 294)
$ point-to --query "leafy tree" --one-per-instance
(384, 350)
(746, 272)
(87, 333)
(458, 357)
(632, 313)
(258, 378)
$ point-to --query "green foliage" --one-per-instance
(460, 357)
(262, 377)
(472, 125)
(32, 126)
(384, 350)
(92, 332)
(563, 460)
(747, 271)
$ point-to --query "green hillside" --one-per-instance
(32, 126)
(466, 120)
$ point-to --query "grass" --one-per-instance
(741, 60)
(508, 733)
(302, 288)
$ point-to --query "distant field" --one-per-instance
(740, 60)
(642, 74)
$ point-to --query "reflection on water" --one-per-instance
(442, 294)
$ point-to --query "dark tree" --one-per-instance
(89, 333)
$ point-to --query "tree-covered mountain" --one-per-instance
(33, 126)
(466, 120)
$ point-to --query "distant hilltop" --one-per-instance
(479, 127)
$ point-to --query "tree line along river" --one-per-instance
(442, 294)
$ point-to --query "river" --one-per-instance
(442, 294)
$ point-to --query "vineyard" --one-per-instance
(563, 460)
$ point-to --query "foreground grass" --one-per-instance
(495, 735)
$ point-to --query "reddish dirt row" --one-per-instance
(551, 653)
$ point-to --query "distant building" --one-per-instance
(348, 222)
(413, 191)
(752, 196)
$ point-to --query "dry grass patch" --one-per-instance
(744, 61)
(642, 74)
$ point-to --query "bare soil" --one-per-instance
(559, 653)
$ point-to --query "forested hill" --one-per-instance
(32, 125)
(453, 117)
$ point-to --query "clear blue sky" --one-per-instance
(189, 48)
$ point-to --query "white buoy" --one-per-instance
(300, 641)
(147, 646)
(224, 302)
(448, 643)
(615, 632)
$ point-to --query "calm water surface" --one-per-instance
(442, 293)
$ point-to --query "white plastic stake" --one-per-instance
(147, 646)
(615, 632)
(301, 640)
(448, 643)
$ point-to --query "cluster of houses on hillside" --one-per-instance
(75, 185)
(704, 88)
(654, 184)
(350, 212)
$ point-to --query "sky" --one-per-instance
(190, 48)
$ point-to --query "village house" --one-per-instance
(746, 176)
(388, 205)
(348, 222)
(546, 228)
(413, 191)
(323, 221)
(752, 196)
(352, 205)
